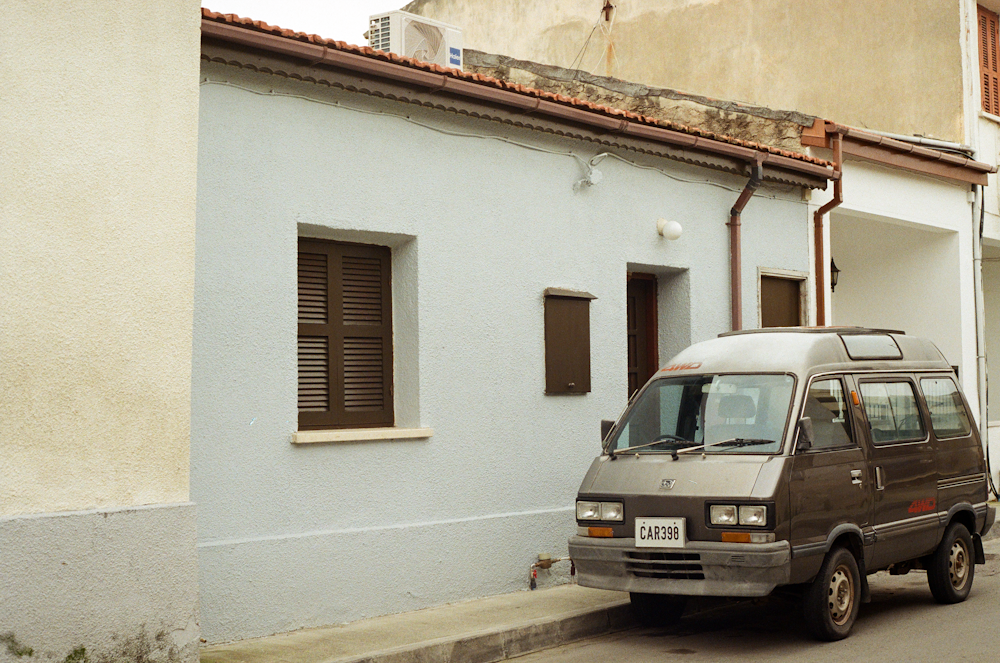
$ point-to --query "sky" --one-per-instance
(343, 20)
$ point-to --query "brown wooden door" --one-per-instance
(780, 302)
(643, 358)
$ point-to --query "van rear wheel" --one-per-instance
(952, 566)
(830, 604)
(657, 609)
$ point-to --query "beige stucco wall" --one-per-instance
(890, 65)
(98, 131)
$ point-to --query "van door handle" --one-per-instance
(856, 477)
(879, 485)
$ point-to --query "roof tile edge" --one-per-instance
(590, 107)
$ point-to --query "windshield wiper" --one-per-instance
(659, 440)
(742, 442)
(734, 442)
(673, 454)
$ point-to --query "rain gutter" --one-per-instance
(818, 243)
(735, 246)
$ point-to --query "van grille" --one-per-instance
(666, 565)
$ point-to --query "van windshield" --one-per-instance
(732, 414)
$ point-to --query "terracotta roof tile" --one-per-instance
(260, 26)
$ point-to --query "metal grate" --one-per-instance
(664, 565)
(378, 35)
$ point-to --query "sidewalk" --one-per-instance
(480, 631)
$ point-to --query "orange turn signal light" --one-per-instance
(736, 537)
(600, 532)
(854, 398)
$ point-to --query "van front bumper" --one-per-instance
(700, 568)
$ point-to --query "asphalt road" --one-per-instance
(902, 623)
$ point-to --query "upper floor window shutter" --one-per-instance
(345, 335)
(988, 68)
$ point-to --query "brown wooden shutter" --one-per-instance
(780, 302)
(567, 341)
(345, 335)
(988, 67)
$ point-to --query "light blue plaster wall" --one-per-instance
(293, 536)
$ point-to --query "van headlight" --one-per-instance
(723, 514)
(612, 511)
(753, 515)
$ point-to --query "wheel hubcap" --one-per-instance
(958, 564)
(840, 596)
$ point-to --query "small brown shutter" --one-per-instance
(780, 302)
(345, 335)
(988, 67)
(567, 341)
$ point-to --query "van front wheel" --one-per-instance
(657, 609)
(831, 602)
(952, 566)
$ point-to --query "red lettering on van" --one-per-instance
(920, 506)
(682, 367)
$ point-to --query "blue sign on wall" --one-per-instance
(455, 56)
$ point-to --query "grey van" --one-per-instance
(801, 457)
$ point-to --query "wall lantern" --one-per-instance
(834, 275)
(669, 229)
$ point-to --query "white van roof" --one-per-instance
(805, 351)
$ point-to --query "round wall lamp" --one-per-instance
(834, 275)
(669, 229)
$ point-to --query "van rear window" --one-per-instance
(948, 415)
(871, 346)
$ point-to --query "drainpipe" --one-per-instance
(838, 197)
(982, 374)
(735, 259)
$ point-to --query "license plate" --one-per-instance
(660, 533)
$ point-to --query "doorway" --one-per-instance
(643, 356)
(780, 302)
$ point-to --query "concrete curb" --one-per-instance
(500, 644)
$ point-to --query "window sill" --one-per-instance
(360, 435)
(989, 116)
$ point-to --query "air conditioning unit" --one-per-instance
(416, 37)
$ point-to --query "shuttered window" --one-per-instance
(989, 35)
(567, 341)
(345, 335)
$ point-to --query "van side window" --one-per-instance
(826, 406)
(892, 412)
(949, 417)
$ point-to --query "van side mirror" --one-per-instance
(606, 426)
(806, 438)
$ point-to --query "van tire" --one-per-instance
(830, 604)
(657, 609)
(952, 567)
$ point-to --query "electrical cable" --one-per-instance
(578, 60)
(607, 34)
(587, 164)
(577, 64)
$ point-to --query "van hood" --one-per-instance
(692, 475)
